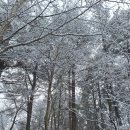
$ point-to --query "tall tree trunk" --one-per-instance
(55, 128)
(70, 101)
(52, 116)
(48, 108)
(117, 114)
(51, 128)
(46, 118)
(110, 104)
(95, 113)
(100, 106)
(59, 105)
(30, 100)
(74, 119)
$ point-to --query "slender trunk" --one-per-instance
(95, 114)
(14, 119)
(117, 114)
(30, 100)
(59, 107)
(51, 128)
(100, 106)
(113, 109)
(29, 112)
(47, 114)
(46, 118)
(52, 116)
(74, 119)
(110, 106)
(70, 102)
(55, 128)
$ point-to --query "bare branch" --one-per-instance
(26, 24)
(72, 34)
(119, 2)
(37, 39)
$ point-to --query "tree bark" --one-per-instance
(47, 114)
(70, 101)
(30, 100)
(59, 104)
(74, 119)
(100, 106)
(95, 113)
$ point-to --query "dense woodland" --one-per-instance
(64, 65)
